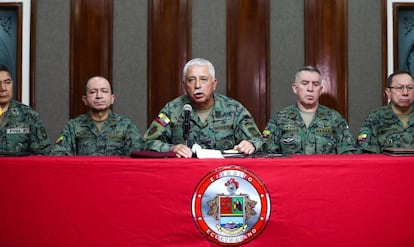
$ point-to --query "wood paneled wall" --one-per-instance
(326, 41)
(169, 47)
(384, 48)
(90, 47)
(247, 53)
(248, 56)
(33, 16)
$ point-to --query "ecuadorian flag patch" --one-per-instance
(266, 133)
(59, 140)
(162, 119)
(362, 137)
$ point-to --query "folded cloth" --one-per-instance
(152, 154)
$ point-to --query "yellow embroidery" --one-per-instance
(162, 119)
(362, 137)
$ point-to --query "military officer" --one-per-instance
(21, 130)
(391, 125)
(217, 121)
(308, 127)
(100, 131)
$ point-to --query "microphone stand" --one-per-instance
(186, 127)
(186, 132)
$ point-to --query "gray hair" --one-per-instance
(306, 68)
(199, 62)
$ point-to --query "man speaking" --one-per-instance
(216, 122)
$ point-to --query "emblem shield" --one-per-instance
(231, 217)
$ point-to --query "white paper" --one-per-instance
(202, 153)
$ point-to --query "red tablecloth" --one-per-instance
(331, 200)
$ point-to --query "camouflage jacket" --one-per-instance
(226, 126)
(383, 129)
(328, 133)
(118, 136)
(21, 130)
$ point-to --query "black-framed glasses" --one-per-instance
(400, 88)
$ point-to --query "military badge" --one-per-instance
(152, 131)
(288, 140)
(231, 206)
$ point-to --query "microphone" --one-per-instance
(187, 109)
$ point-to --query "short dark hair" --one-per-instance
(402, 72)
(96, 77)
(4, 68)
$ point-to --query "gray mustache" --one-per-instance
(198, 91)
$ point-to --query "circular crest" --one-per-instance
(231, 206)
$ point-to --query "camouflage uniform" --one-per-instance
(328, 133)
(226, 126)
(21, 130)
(383, 129)
(118, 136)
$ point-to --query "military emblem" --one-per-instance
(288, 140)
(152, 130)
(231, 206)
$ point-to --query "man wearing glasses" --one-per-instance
(391, 126)
(21, 130)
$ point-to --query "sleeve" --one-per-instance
(271, 135)
(134, 141)
(40, 142)
(65, 143)
(346, 142)
(367, 139)
(247, 130)
(158, 135)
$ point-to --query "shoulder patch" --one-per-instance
(162, 119)
(266, 133)
(152, 131)
(362, 137)
(59, 140)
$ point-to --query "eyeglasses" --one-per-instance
(400, 88)
(6, 82)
